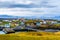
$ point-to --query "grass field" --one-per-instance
(31, 36)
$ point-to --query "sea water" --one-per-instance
(1, 32)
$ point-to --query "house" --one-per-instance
(49, 21)
(7, 25)
(38, 23)
(14, 24)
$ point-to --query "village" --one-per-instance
(29, 25)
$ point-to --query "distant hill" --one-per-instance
(29, 17)
(8, 16)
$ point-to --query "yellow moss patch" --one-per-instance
(31, 36)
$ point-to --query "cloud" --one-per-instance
(17, 1)
(23, 11)
(26, 3)
(30, 7)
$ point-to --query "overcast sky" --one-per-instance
(30, 7)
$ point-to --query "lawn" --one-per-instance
(31, 36)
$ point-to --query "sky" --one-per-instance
(30, 7)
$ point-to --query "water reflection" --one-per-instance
(1, 32)
(46, 30)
